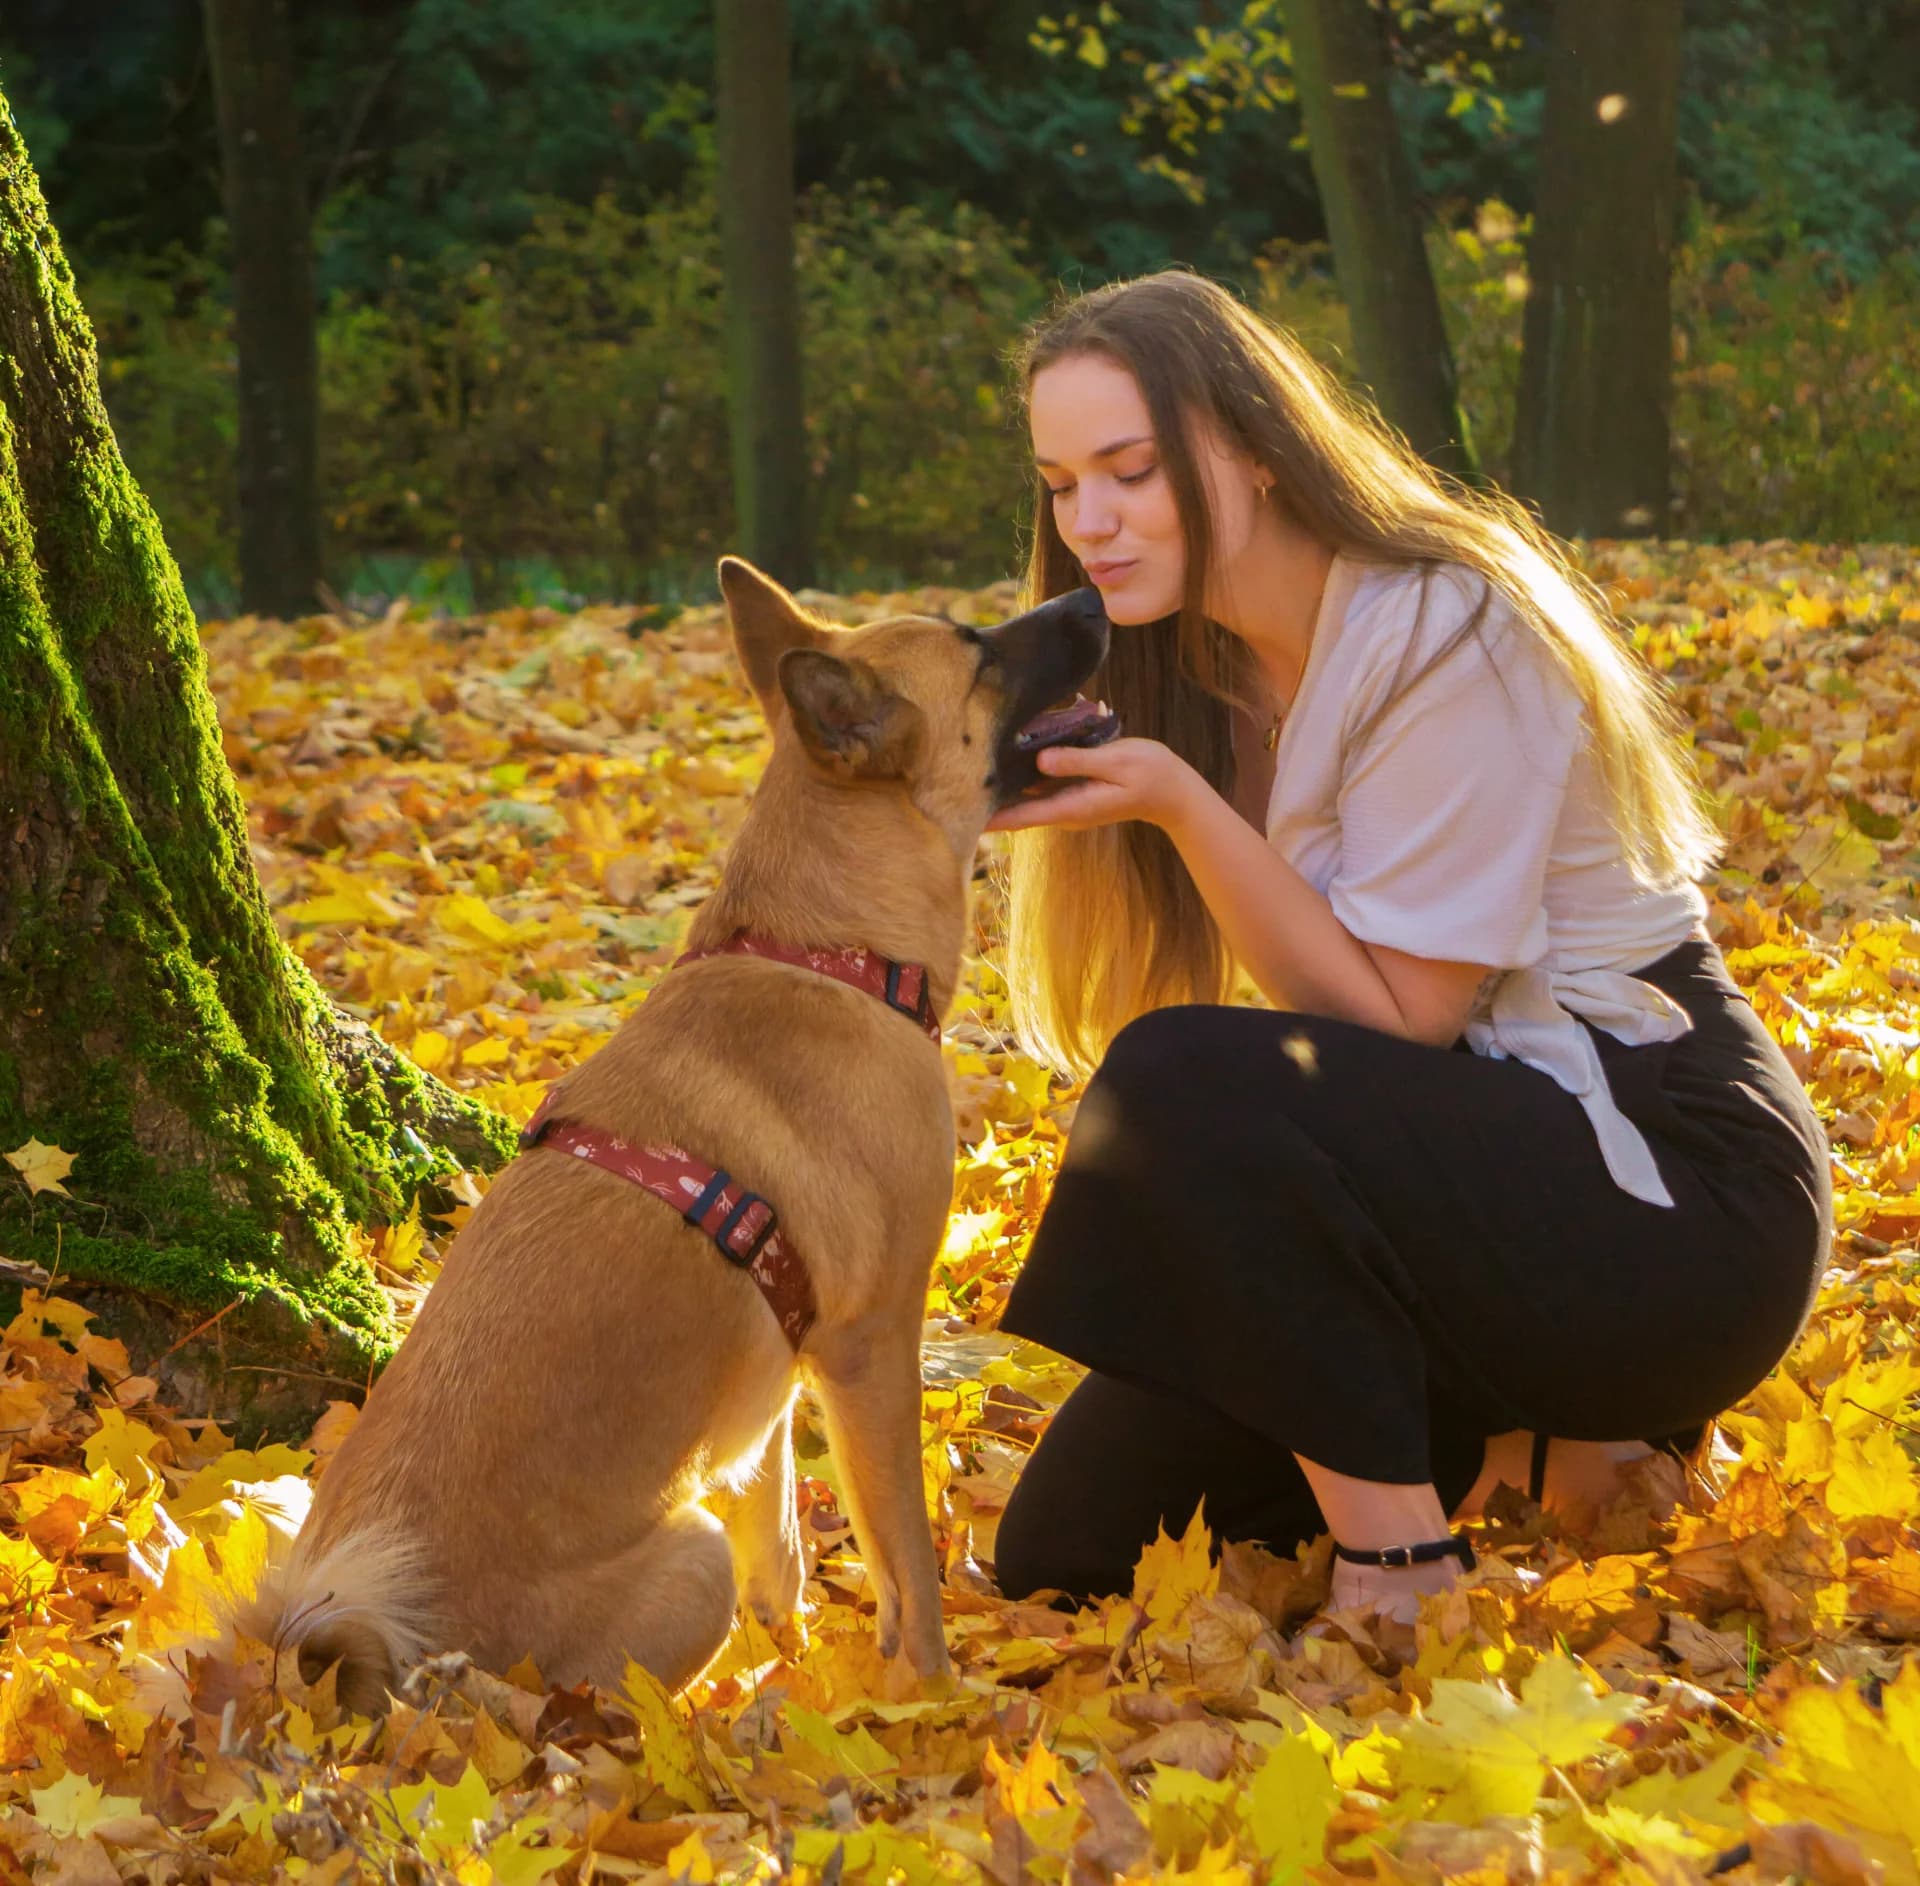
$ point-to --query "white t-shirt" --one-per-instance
(1470, 823)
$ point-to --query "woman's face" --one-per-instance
(1094, 445)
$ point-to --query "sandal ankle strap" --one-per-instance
(1455, 1546)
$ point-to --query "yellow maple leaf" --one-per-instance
(1872, 1477)
(1288, 1806)
(43, 1167)
(1171, 1573)
(668, 1751)
(199, 1597)
(125, 1446)
(76, 1806)
(25, 1573)
(853, 1752)
(1488, 1751)
(1029, 1786)
(1844, 1763)
(691, 1861)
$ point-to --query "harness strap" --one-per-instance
(903, 987)
(741, 1223)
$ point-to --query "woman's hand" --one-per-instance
(1125, 779)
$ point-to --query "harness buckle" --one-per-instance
(734, 1219)
(920, 1009)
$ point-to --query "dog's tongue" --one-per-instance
(1076, 721)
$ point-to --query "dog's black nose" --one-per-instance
(1080, 607)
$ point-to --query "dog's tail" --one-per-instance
(364, 1602)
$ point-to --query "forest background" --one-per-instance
(522, 365)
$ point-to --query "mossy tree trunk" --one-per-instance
(276, 331)
(754, 132)
(1591, 427)
(229, 1126)
(1375, 227)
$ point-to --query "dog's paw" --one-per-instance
(772, 1594)
(785, 1630)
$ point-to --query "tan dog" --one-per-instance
(525, 1477)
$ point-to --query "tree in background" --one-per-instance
(754, 126)
(1591, 433)
(228, 1126)
(250, 51)
(1591, 429)
(1375, 227)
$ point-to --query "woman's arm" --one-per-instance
(1299, 954)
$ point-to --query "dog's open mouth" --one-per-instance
(1080, 723)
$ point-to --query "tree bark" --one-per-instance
(1591, 426)
(229, 1130)
(754, 122)
(1374, 225)
(250, 50)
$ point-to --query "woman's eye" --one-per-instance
(1059, 491)
(1139, 477)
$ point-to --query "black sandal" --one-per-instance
(1455, 1546)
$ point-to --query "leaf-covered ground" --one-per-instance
(485, 835)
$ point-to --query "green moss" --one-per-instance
(151, 1021)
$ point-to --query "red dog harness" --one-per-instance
(740, 1222)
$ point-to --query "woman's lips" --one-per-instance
(1108, 572)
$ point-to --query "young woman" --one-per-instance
(1510, 1156)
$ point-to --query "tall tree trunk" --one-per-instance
(752, 51)
(1596, 373)
(1373, 222)
(250, 49)
(229, 1127)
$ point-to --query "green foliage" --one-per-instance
(1797, 399)
(1781, 145)
(165, 330)
(460, 119)
(1796, 396)
(565, 400)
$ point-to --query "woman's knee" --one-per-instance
(1043, 1545)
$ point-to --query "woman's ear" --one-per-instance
(767, 622)
(848, 719)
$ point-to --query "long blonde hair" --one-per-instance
(1103, 925)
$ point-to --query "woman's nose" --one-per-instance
(1095, 516)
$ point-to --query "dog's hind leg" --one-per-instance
(869, 1381)
(668, 1604)
(765, 1529)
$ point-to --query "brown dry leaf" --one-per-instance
(1803, 1850)
(1205, 1747)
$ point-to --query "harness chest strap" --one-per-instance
(741, 1223)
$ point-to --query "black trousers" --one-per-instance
(1275, 1234)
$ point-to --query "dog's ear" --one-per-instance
(847, 718)
(766, 623)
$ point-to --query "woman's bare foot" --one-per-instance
(1394, 1591)
(1579, 1473)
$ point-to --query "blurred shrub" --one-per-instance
(165, 329)
(1796, 397)
(568, 398)
(563, 403)
(556, 415)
